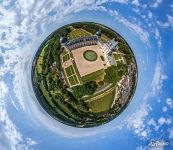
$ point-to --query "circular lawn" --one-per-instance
(90, 55)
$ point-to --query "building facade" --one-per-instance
(107, 48)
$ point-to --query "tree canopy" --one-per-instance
(86, 89)
(111, 75)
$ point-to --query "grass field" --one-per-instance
(102, 103)
(104, 38)
(40, 60)
(76, 33)
(93, 76)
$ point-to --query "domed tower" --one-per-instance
(63, 40)
(98, 33)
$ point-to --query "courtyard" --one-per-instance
(85, 66)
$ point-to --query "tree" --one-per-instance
(111, 75)
(82, 106)
(86, 89)
(122, 69)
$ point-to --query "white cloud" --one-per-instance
(163, 120)
(13, 103)
(136, 2)
(98, 2)
(169, 102)
(144, 133)
(164, 109)
(170, 131)
(158, 78)
(3, 89)
(141, 148)
(156, 3)
(150, 14)
(12, 63)
(171, 6)
(170, 20)
(8, 129)
(136, 121)
(168, 23)
(25, 6)
(120, 1)
(15, 139)
(144, 36)
(153, 123)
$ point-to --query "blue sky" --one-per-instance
(148, 28)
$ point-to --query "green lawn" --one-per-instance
(40, 60)
(104, 38)
(117, 56)
(71, 75)
(66, 57)
(76, 33)
(69, 71)
(75, 78)
(93, 76)
(90, 55)
(102, 104)
(72, 80)
(77, 73)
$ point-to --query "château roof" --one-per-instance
(63, 39)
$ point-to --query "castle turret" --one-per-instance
(98, 33)
(63, 40)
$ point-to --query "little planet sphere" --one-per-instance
(84, 74)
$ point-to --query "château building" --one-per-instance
(106, 48)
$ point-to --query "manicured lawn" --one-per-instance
(72, 80)
(76, 33)
(93, 76)
(75, 78)
(40, 60)
(66, 57)
(117, 56)
(69, 71)
(71, 75)
(90, 55)
(77, 73)
(103, 103)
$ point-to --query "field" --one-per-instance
(93, 76)
(40, 61)
(102, 102)
(104, 38)
(77, 33)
